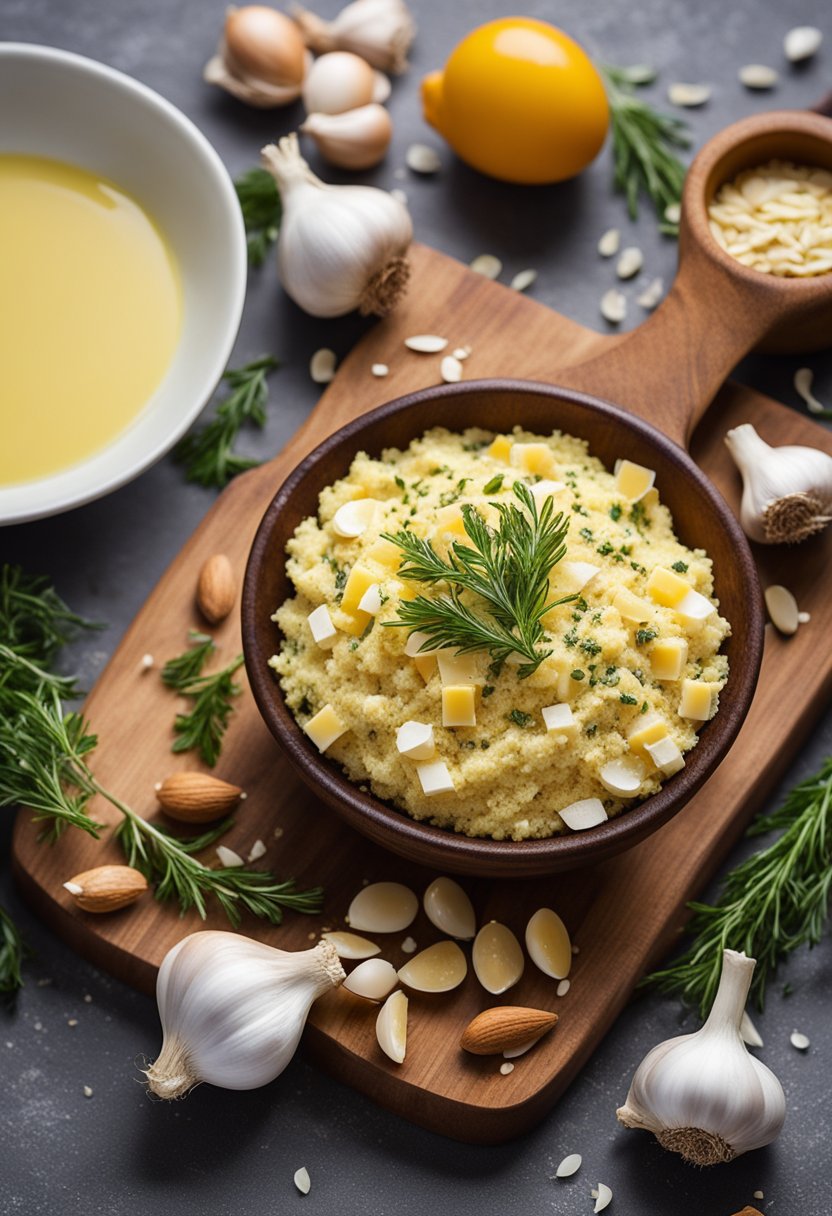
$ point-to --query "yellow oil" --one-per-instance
(90, 309)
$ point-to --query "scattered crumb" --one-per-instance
(576, 949)
(257, 850)
(87, 1091)
(311, 936)
(758, 1195)
(804, 618)
(506, 1068)
(563, 987)
(379, 369)
(72, 1022)
(277, 833)
(400, 175)
(408, 945)
(798, 1040)
(44, 982)
(147, 662)
(87, 998)
(38, 1025)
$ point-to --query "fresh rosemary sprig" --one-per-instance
(643, 140)
(507, 569)
(772, 903)
(12, 951)
(34, 620)
(208, 451)
(262, 212)
(203, 728)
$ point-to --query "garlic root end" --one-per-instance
(385, 288)
(170, 1076)
(696, 1146)
(794, 518)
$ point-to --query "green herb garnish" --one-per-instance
(680, 567)
(519, 718)
(643, 140)
(506, 571)
(492, 486)
(11, 954)
(262, 212)
(772, 903)
(203, 728)
(577, 674)
(626, 699)
(643, 636)
(179, 672)
(615, 512)
(208, 451)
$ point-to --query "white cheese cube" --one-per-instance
(321, 627)
(665, 755)
(668, 657)
(459, 705)
(587, 813)
(415, 740)
(325, 728)
(542, 490)
(559, 719)
(435, 778)
(456, 668)
(371, 600)
(697, 700)
(623, 776)
(694, 607)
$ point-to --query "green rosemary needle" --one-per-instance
(179, 672)
(504, 570)
(203, 728)
(208, 451)
(262, 212)
(771, 903)
(12, 951)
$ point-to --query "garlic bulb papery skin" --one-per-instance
(787, 492)
(704, 1095)
(261, 59)
(341, 81)
(233, 1010)
(340, 247)
(358, 139)
(380, 31)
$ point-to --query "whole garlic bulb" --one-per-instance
(341, 81)
(262, 59)
(233, 1010)
(703, 1095)
(787, 491)
(380, 31)
(340, 247)
(358, 139)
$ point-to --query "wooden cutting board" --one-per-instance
(622, 915)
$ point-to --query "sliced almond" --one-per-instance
(351, 945)
(782, 608)
(426, 344)
(322, 365)
(688, 95)
(194, 797)
(487, 264)
(630, 262)
(613, 306)
(758, 76)
(451, 370)
(106, 888)
(523, 279)
(569, 1166)
(497, 958)
(505, 1027)
(391, 1027)
(421, 158)
(440, 968)
(609, 243)
(448, 907)
(383, 907)
(216, 588)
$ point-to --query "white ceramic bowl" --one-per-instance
(63, 106)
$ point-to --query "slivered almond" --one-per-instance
(505, 1026)
(106, 888)
(197, 797)
(216, 588)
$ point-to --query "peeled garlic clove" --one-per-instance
(603, 1197)
(758, 76)
(782, 608)
(263, 43)
(338, 82)
(613, 306)
(357, 139)
(688, 95)
(622, 776)
(497, 958)
(383, 907)
(448, 907)
(609, 243)
(548, 944)
(630, 262)
(569, 1166)
(802, 43)
(523, 279)
(391, 1027)
(373, 979)
(415, 740)
(451, 370)
(583, 814)
(421, 158)
(380, 31)
(426, 344)
(440, 968)
(350, 945)
(487, 265)
(353, 518)
(322, 366)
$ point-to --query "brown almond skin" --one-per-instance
(216, 589)
(107, 888)
(197, 797)
(505, 1026)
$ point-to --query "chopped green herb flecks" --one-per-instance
(626, 699)
(577, 674)
(680, 567)
(520, 719)
(492, 486)
(643, 636)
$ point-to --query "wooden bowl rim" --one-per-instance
(481, 855)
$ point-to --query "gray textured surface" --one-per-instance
(118, 1153)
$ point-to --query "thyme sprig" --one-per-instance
(208, 451)
(203, 728)
(772, 903)
(643, 140)
(506, 571)
(262, 212)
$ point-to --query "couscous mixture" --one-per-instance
(590, 718)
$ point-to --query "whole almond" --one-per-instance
(216, 588)
(197, 797)
(106, 888)
(503, 1027)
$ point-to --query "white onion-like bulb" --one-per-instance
(233, 1010)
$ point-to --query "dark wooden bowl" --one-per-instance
(701, 517)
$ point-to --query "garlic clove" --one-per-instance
(382, 88)
(688, 95)
(302, 1180)
(380, 31)
(803, 380)
(523, 279)
(322, 366)
(391, 1027)
(350, 945)
(263, 43)
(451, 370)
(337, 82)
(257, 93)
(440, 968)
(421, 158)
(613, 306)
(357, 139)
(383, 907)
(354, 518)
(415, 740)
(487, 265)
(339, 248)
(782, 609)
(548, 944)
(569, 1166)
(233, 1010)
(586, 813)
(802, 43)
(603, 1197)
(448, 908)
(758, 76)
(426, 344)
(609, 243)
(623, 776)
(497, 958)
(629, 263)
(372, 979)
(787, 491)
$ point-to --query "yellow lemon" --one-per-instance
(520, 101)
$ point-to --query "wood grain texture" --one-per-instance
(622, 914)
